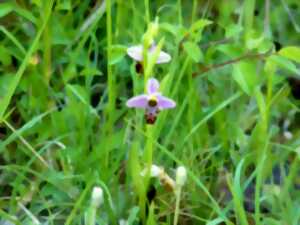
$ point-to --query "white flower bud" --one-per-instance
(181, 176)
(123, 222)
(155, 171)
(97, 196)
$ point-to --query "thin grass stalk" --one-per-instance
(111, 83)
(177, 206)
(47, 48)
(147, 10)
(179, 12)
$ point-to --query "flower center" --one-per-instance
(152, 102)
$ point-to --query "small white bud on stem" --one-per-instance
(97, 197)
(181, 176)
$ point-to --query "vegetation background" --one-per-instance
(65, 128)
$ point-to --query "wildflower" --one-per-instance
(180, 176)
(153, 102)
(155, 171)
(180, 180)
(97, 197)
(136, 52)
(123, 222)
(158, 172)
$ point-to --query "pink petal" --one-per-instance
(152, 86)
(140, 101)
(136, 52)
(163, 57)
(165, 103)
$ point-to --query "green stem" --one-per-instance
(147, 11)
(47, 50)
(91, 217)
(111, 80)
(249, 6)
(179, 12)
(194, 12)
(177, 206)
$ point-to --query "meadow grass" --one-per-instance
(72, 152)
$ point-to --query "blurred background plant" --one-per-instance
(64, 126)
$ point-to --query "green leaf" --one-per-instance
(91, 71)
(283, 63)
(5, 57)
(5, 8)
(117, 54)
(291, 52)
(233, 30)
(237, 193)
(151, 217)
(169, 28)
(253, 43)
(215, 221)
(244, 73)
(133, 215)
(64, 5)
(193, 51)
(199, 24)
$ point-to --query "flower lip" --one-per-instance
(150, 118)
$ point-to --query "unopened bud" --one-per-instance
(155, 171)
(97, 196)
(181, 176)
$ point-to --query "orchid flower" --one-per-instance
(136, 52)
(153, 102)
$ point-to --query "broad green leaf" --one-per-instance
(291, 52)
(5, 8)
(253, 43)
(133, 215)
(244, 73)
(233, 30)
(169, 28)
(199, 24)
(80, 93)
(178, 32)
(117, 54)
(193, 51)
(283, 63)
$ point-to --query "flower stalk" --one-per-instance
(181, 177)
(96, 201)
